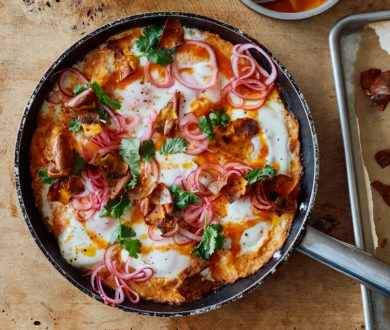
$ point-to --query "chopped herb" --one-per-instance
(147, 150)
(74, 125)
(129, 150)
(182, 197)
(123, 234)
(206, 126)
(132, 246)
(102, 114)
(79, 162)
(256, 174)
(78, 88)
(131, 184)
(174, 146)
(212, 240)
(219, 118)
(45, 178)
(115, 207)
(103, 98)
(148, 45)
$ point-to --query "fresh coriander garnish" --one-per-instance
(182, 197)
(148, 45)
(115, 207)
(74, 125)
(102, 114)
(103, 98)
(174, 146)
(79, 162)
(212, 240)
(129, 150)
(131, 184)
(256, 174)
(79, 88)
(147, 150)
(45, 178)
(207, 123)
(123, 234)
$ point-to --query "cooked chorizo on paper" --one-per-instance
(172, 35)
(383, 157)
(63, 189)
(61, 160)
(376, 84)
(168, 117)
(383, 190)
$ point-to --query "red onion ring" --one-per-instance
(56, 97)
(154, 236)
(62, 76)
(169, 80)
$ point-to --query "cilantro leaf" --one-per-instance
(103, 98)
(182, 197)
(115, 207)
(212, 240)
(102, 114)
(147, 44)
(79, 162)
(147, 150)
(74, 125)
(129, 150)
(219, 118)
(206, 126)
(45, 178)
(78, 88)
(256, 174)
(174, 146)
(132, 246)
(131, 184)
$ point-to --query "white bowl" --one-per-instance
(290, 16)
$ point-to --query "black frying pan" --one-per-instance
(339, 255)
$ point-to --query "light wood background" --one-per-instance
(303, 294)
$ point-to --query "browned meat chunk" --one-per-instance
(155, 215)
(63, 189)
(86, 97)
(235, 138)
(169, 226)
(172, 35)
(168, 117)
(161, 195)
(62, 157)
(125, 61)
(191, 285)
(383, 157)
(234, 188)
(383, 190)
(376, 84)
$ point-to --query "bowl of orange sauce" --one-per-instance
(291, 9)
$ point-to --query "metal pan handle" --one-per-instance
(347, 259)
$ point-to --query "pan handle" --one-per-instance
(347, 259)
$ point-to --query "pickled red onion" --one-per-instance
(168, 81)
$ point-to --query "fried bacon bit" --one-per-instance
(235, 138)
(172, 35)
(62, 158)
(232, 187)
(376, 84)
(116, 172)
(63, 189)
(86, 97)
(158, 211)
(383, 190)
(191, 285)
(383, 157)
(168, 117)
(125, 61)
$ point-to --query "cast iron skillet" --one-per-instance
(294, 101)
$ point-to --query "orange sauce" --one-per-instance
(293, 6)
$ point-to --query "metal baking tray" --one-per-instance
(347, 31)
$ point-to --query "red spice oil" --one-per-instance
(293, 6)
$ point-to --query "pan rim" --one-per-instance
(308, 207)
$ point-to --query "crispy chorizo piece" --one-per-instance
(116, 172)
(235, 138)
(161, 195)
(234, 188)
(383, 157)
(383, 190)
(155, 215)
(168, 117)
(376, 84)
(63, 189)
(125, 62)
(62, 158)
(191, 282)
(169, 226)
(86, 97)
(172, 35)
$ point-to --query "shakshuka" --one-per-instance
(166, 164)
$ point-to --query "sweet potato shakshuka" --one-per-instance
(166, 164)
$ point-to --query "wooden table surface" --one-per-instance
(303, 294)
